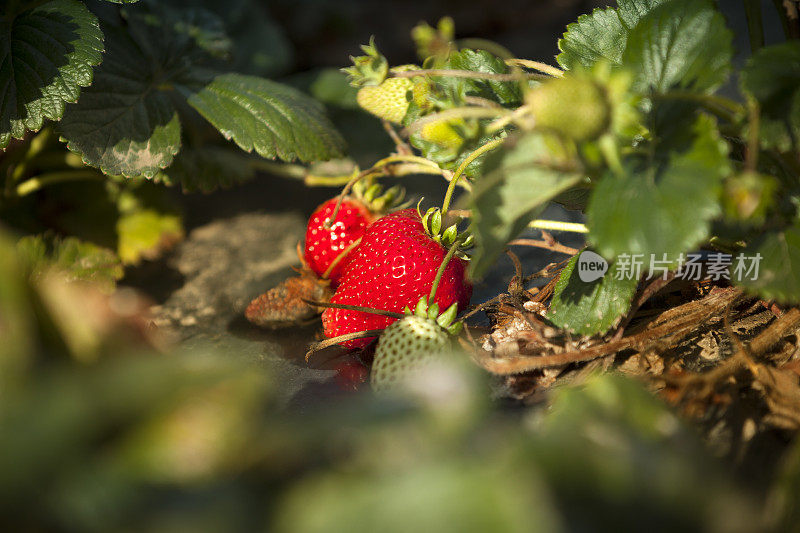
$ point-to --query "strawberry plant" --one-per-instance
(637, 127)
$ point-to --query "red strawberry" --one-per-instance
(324, 245)
(393, 267)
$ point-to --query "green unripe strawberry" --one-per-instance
(387, 100)
(574, 106)
(747, 196)
(405, 347)
(443, 134)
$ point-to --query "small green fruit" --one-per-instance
(406, 347)
(576, 107)
(387, 100)
(747, 196)
(443, 134)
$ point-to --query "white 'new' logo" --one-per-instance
(591, 266)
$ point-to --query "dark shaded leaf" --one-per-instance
(779, 267)
(45, 59)
(772, 77)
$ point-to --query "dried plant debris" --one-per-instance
(727, 360)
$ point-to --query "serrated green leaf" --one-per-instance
(79, 260)
(46, 57)
(778, 268)
(125, 122)
(144, 234)
(503, 92)
(772, 77)
(521, 178)
(661, 207)
(270, 118)
(587, 308)
(603, 34)
(600, 35)
(204, 169)
(680, 44)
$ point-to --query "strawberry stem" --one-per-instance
(451, 187)
(537, 65)
(350, 247)
(453, 73)
(360, 308)
(557, 225)
(342, 338)
(439, 273)
(420, 165)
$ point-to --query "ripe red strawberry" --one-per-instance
(393, 267)
(324, 245)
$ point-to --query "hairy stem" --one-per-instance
(456, 113)
(359, 308)
(448, 197)
(453, 73)
(43, 180)
(439, 273)
(537, 65)
(287, 170)
(557, 225)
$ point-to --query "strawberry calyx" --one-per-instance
(435, 42)
(433, 222)
(446, 320)
(375, 198)
(370, 69)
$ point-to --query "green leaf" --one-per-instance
(772, 77)
(589, 307)
(270, 118)
(683, 44)
(46, 56)
(145, 234)
(204, 169)
(779, 267)
(661, 207)
(601, 35)
(520, 179)
(125, 122)
(79, 260)
(128, 122)
(503, 92)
